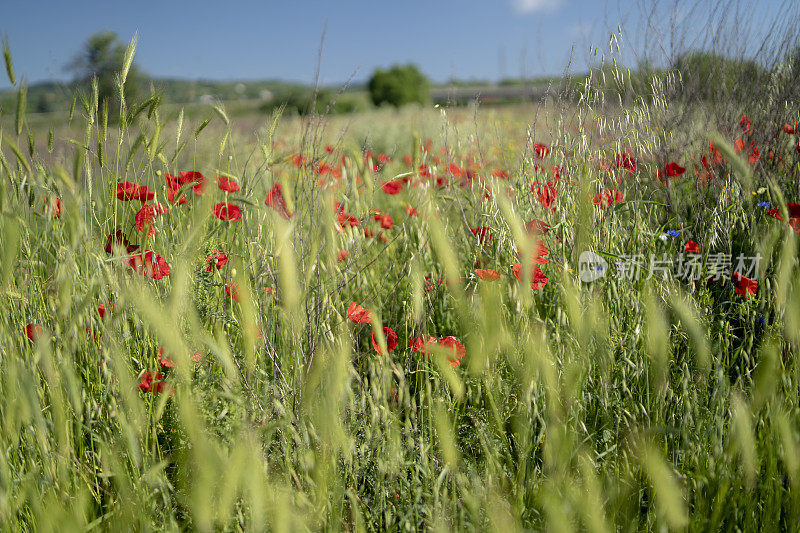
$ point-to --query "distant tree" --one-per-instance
(102, 56)
(714, 78)
(398, 86)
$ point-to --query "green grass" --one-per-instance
(622, 404)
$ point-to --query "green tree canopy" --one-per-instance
(103, 56)
(398, 86)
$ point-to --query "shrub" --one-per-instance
(398, 86)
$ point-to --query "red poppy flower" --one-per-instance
(716, 154)
(545, 193)
(145, 381)
(144, 219)
(385, 220)
(537, 227)
(216, 260)
(227, 211)
(411, 211)
(150, 264)
(753, 153)
(673, 170)
(347, 220)
(118, 238)
(227, 185)
(392, 187)
(746, 125)
(626, 162)
(454, 350)
(483, 234)
(164, 361)
(152, 382)
(454, 169)
(607, 198)
(232, 290)
(422, 343)
(744, 286)
(195, 177)
(299, 160)
(541, 150)
(127, 191)
(691, 247)
(791, 129)
(342, 255)
(487, 274)
(391, 340)
(33, 331)
(276, 201)
(500, 174)
(794, 215)
(358, 314)
(538, 253)
(53, 206)
(102, 309)
(538, 279)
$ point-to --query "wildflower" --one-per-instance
(763, 204)
(33, 332)
(454, 350)
(538, 278)
(483, 234)
(127, 191)
(232, 290)
(545, 193)
(152, 382)
(487, 274)
(164, 361)
(227, 212)
(422, 343)
(146, 216)
(671, 170)
(744, 286)
(500, 174)
(691, 247)
(791, 129)
(118, 238)
(102, 309)
(53, 206)
(227, 185)
(276, 201)
(541, 150)
(607, 198)
(411, 211)
(392, 187)
(358, 314)
(342, 255)
(746, 125)
(216, 260)
(384, 219)
(391, 340)
(454, 169)
(626, 162)
(150, 264)
(537, 227)
(673, 233)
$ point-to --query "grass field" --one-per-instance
(391, 320)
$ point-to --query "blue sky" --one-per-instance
(201, 39)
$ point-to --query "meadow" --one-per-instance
(574, 314)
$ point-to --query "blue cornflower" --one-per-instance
(760, 319)
(763, 204)
(673, 233)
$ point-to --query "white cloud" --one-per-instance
(532, 6)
